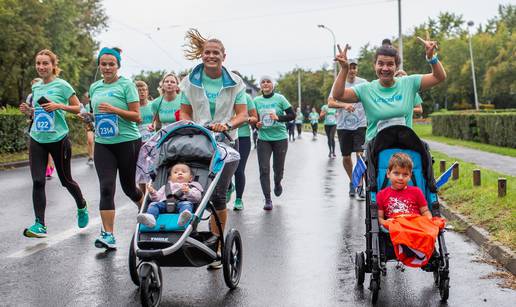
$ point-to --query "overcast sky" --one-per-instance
(266, 37)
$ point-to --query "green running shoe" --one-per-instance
(106, 240)
(229, 192)
(36, 231)
(239, 204)
(83, 217)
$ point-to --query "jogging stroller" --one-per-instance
(379, 248)
(168, 244)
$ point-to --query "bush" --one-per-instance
(489, 127)
(14, 125)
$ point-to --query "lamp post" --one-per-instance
(334, 49)
(471, 24)
(400, 35)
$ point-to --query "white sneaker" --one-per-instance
(146, 219)
(184, 217)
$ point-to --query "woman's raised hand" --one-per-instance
(430, 45)
(342, 56)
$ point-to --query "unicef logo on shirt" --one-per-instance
(397, 97)
(110, 94)
(50, 92)
(351, 120)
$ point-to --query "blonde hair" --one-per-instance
(140, 83)
(53, 58)
(170, 74)
(195, 45)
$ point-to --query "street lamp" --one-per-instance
(471, 24)
(334, 49)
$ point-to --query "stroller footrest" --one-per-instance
(166, 222)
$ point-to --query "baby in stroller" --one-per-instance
(180, 194)
(403, 210)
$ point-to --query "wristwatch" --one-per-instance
(230, 127)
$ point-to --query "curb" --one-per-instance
(17, 164)
(502, 254)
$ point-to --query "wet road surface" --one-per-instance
(300, 254)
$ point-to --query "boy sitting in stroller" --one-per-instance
(403, 210)
(178, 195)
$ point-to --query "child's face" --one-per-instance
(180, 173)
(399, 177)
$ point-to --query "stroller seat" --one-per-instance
(166, 222)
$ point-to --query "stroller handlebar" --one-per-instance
(225, 133)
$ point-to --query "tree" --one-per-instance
(152, 78)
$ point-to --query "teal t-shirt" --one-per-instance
(385, 106)
(245, 130)
(314, 117)
(118, 94)
(417, 101)
(212, 88)
(299, 117)
(50, 127)
(167, 109)
(271, 130)
(147, 117)
(330, 119)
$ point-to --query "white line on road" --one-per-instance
(60, 237)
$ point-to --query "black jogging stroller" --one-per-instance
(171, 245)
(379, 248)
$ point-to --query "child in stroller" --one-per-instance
(178, 195)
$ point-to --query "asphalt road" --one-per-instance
(300, 254)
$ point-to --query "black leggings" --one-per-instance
(61, 152)
(278, 150)
(330, 134)
(314, 129)
(244, 147)
(299, 129)
(112, 157)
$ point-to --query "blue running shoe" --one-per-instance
(83, 217)
(106, 240)
(37, 230)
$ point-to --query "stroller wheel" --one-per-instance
(232, 259)
(150, 286)
(444, 289)
(374, 286)
(133, 266)
(360, 268)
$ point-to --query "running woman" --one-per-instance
(87, 116)
(212, 94)
(116, 108)
(168, 103)
(274, 111)
(299, 122)
(314, 121)
(244, 147)
(388, 100)
(145, 127)
(351, 128)
(330, 127)
(51, 98)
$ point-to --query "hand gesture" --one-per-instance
(185, 188)
(106, 108)
(150, 127)
(150, 188)
(349, 107)
(25, 108)
(342, 57)
(259, 125)
(430, 46)
(274, 116)
(253, 120)
(51, 106)
(218, 127)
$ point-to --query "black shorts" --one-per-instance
(351, 140)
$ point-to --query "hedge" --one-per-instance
(13, 131)
(485, 127)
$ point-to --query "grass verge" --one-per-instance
(481, 205)
(24, 156)
(425, 131)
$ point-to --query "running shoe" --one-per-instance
(215, 265)
(82, 217)
(268, 205)
(360, 193)
(239, 204)
(351, 190)
(105, 240)
(37, 230)
(278, 189)
(49, 172)
(146, 219)
(90, 161)
(230, 192)
(184, 217)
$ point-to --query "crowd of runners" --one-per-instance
(119, 116)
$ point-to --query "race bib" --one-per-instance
(43, 120)
(106, 125)
(382, 124)
(266, 118)
(146, 134)
(331, 119)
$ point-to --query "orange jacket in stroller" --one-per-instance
(413, 238)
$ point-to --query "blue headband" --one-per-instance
(110, 51)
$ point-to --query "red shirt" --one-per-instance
(399, 202)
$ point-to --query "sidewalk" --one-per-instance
(499, 163)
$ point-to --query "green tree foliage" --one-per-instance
(66, 27)
(152, 78)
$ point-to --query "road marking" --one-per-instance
(62, 236)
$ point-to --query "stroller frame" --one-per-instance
(377, 240)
